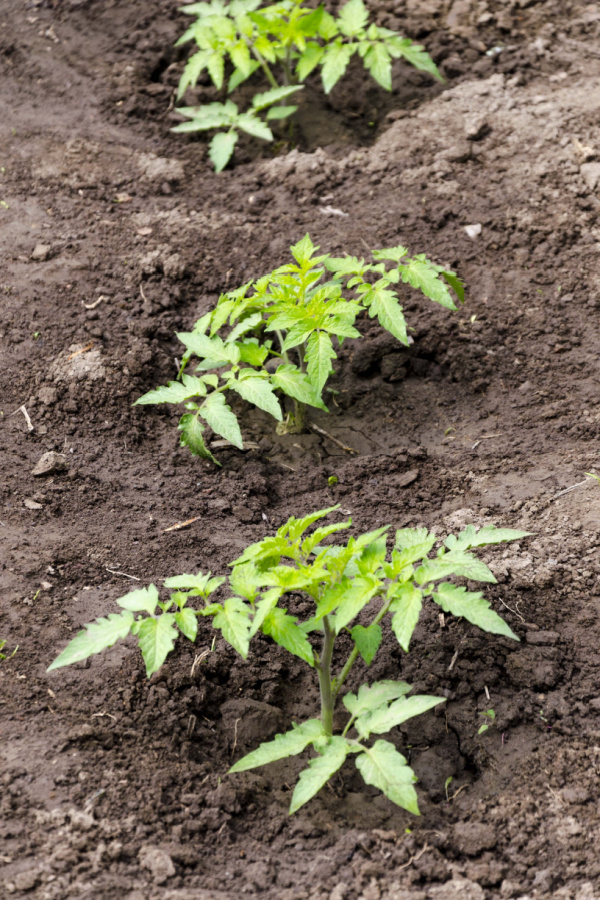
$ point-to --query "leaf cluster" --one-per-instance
(358, 578)
(276, 335)
(289, 39)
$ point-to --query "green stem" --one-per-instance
(324, 673)
(299, 417)
(283, 352)
(264, 66)
(339, 680)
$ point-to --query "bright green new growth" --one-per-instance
(290, 309)
(289, 40)
(342, 582)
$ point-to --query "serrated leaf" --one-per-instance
(455, 562)
(192, 71)
(233, 621)
(205, 347)
(187, 622)
(259, 392)
(192, 437)
(420, 273)
(254, 126)
(216, 67)
(268, 98)
(201, 583)
(372, 556)
(141, 600)
(238, 77)
(415, 54)
(174, 392)
(360, 591)
(156, 638)
(382, 766)
(367, 640)
(240, 57)
(406, 609)
(221, 419)
(303, 250)
(353, 18)
(473, 607)
(379, 63)
(295, 384)
(334, 63)
(382, 720)
(94, 638)
(412, 537)
(246, 580)
(264, 606)
(393, 253)
(289, 744)
(483, 537)
(309, 544)
(285, 631)
(319, 353)
(372, 697)
(319, 771)
(252, 353)
(309, 60)
(452, 279)
(221, 149)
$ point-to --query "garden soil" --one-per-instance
(117, 233)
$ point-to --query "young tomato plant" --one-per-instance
(285, 42)
(290, 309)
(342, 582)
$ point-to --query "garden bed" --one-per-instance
(118, 233)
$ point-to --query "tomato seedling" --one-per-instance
(285, 42)
(342, 582)
(290, 309)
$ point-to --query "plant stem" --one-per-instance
(283, 352)
(339, 680)
(264, 66)
(324, 673)
(299, 417)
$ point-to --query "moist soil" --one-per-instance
(115, 234)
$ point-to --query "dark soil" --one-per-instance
(114, 787)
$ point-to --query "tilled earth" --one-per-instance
(117, 233)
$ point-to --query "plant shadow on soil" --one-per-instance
(114, 786)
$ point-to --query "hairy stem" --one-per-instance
(283, 352)
(299, 417)
(339, 680)
(324, 673)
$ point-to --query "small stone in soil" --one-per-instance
(41, 252)
(51, 463)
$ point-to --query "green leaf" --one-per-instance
(295, 384)
(192, 71)
(406, 609)
(328, 28)
(319, 353)
(393, 253)
(334, 64)
(483, 537)
(221, 149)
(156, 638)
(382, 720)
(303, 250)
(371, 697)
(289, 744)
(268, 98)
(233, 621)
(319, 771)
(264, 606)
(471, 606)
(415, 54)
(359, 592)
(313, 540)
(246, 580)
(452, 279)
(412, 537)
(192, 437)
(221, 419)
(379, 63)
(216, 67)
(285, 631)
(187, 622)
(200, 584)
(309, 60)
(141, 600)
(386, 769)
(252, 353)
(240, 57)
(422, 274)
(237, 77)
(259, 392)
(254, 126)
(174, 392)
(353, 18)
(367, 641)
(95, 637)
(372, 556)
(281, 112)
(456, 562)
(205, 347)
